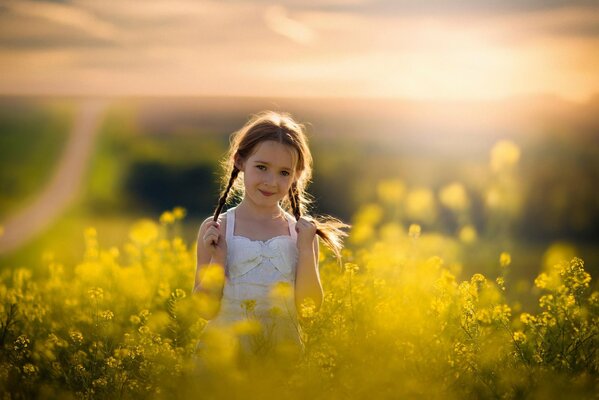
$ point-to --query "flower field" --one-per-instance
(401, 317)
(396, 322)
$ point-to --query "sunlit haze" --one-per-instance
(395, 49)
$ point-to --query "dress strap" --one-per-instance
(291, 222)
(230, 224)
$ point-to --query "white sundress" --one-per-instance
(253, 267)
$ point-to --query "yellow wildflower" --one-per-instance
(248, 305)
(247, 327)
(504, 154)
(76, 336)
(351, 268)
(167, 218)
(96, 293)
(391, 191)
(454, 197)
(414, 231)
(468, 234)
(143, 232)
(281, 290)
(505, 259)
(527, 319)
(179, 213)
(107, 315)
(519, 337)
(212, 276)
(420, 205)
(30, 369)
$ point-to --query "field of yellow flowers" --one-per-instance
(397, 321)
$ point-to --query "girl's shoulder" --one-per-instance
(222, 221)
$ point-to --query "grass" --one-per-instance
(32, 136)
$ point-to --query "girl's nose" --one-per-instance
(269, 179)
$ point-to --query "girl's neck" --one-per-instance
(248, 210)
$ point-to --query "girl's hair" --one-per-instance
(281, 128)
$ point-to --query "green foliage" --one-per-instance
(31, 140)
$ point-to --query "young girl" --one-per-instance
(258, 243)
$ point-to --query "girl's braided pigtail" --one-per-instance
(223, 198)
(329, 229)
(295, 201)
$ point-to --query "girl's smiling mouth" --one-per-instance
(264, 193)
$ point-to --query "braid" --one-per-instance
(328, 229)
(225, 193)
(295, 201)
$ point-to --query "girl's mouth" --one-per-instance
(267, 194)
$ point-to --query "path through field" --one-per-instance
(64, 185)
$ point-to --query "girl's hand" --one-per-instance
(306, 230)
(214, 241)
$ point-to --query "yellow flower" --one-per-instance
(505, 259)
(369, 214)
(143, 232)
(30, 369)
(542, 280)
(76, 336)
(281, 290)
(391, 191)
(454, 197)
(90, 233)
(420, 205)
(247, 327)
(414, 231)
(248, 305)
(107, 315)
(519, 337)
(308, 308)
(500, 282)
(178, 294)
(468, 234)
(100, 382)
(351, 268)
(179, 213)
(96, 293)
(558, 252)
(504, 154)
(360, 233)
(167, 217)
(212, 276)
(112, 362)
(527, 319)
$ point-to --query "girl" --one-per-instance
(258, 244)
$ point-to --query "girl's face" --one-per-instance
(268, 173)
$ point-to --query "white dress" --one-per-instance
(253, 268)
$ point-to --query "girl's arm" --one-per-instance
(210, 262)
(307, 277)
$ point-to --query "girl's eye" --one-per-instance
(261, 167)
(285, 173)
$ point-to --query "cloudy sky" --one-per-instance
(434, 49)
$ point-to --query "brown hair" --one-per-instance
(281, 128)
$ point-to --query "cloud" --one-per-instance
(66, 15)
(233, 47)
(278, 21)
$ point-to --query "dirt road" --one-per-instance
(64, 185)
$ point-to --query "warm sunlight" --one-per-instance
(334, 199)
(359, 49)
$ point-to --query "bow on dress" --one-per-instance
(280, 251)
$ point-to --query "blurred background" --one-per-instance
(477, 120)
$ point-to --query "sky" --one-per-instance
(430, 49)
